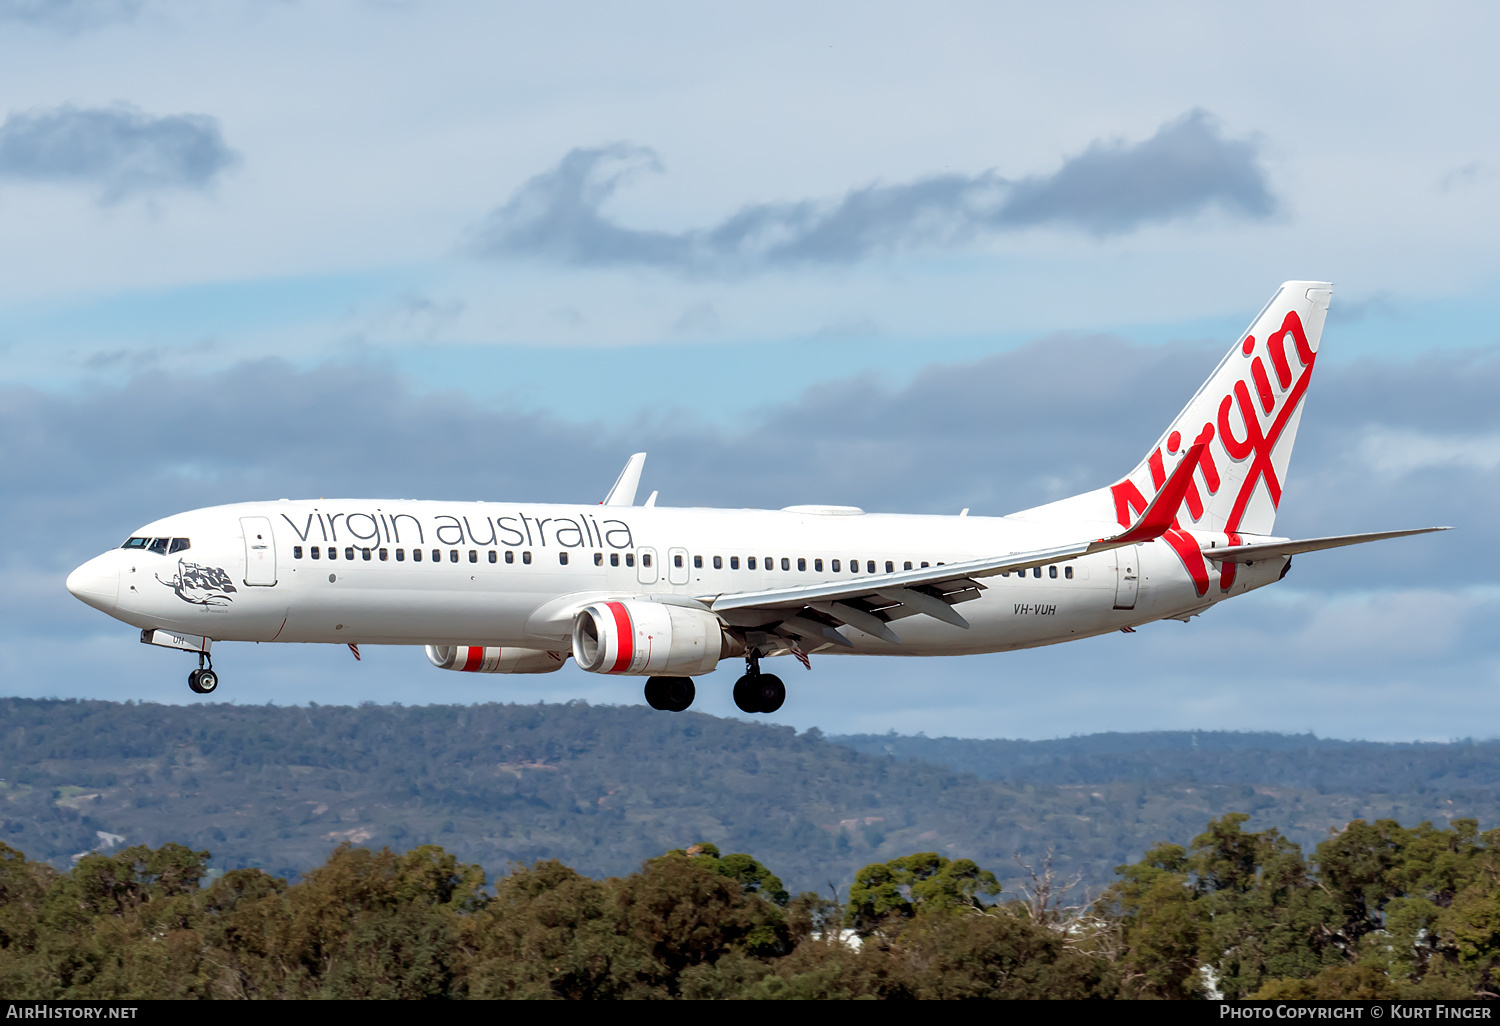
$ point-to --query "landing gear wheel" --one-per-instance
(747, 693)
(771, 692)
(672, 694)
(203, 682)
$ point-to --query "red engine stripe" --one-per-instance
(626, 633)
(473, 658)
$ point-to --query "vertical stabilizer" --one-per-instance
(1247, 414)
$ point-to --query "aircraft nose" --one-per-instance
(96, 582)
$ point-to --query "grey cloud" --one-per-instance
(1111, 188)
(119, 150)
(1115, 187)
(69, 15)
(1471, 174)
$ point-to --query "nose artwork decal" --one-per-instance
(200, 585)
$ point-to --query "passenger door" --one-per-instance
(1127, 576)
(260, 552)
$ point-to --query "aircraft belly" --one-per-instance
(384, 607)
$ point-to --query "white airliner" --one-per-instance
(499, 587)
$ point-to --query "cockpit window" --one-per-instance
(160, 546)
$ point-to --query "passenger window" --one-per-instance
(697, 562)
(349, 552)
(365, 554)
(801, 563)
(677, 561)
(562, 558)
(437, 555)
(817, 566)
(734, 562)
(385, 554)
(906, 565)
(416, 555)
(510, 557)
(598, 559)
(1036, 571)
(870, 566)
(835, 564)
(1068, 572)
(494, 556)
(786, 564)
(180, 544)
(526, 558)
(296, 551)
(315, 553)
(401, 555)
(890, 567)
(749, 562)
(924, 564)
(473, 556)
(614, 559)
(630, 559)
(645, 559)
(1052, 572)
(718, 562)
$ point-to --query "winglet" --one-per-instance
(1162, 511)
(623, 493)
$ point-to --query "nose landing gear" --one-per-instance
(758, 692)
(203, 680)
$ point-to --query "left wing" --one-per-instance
(869, 603)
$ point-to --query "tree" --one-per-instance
(884, 892)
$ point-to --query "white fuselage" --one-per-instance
(513, 575)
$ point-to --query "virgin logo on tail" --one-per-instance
(1247, 441)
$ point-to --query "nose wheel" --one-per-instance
(203, 680)
(758, 692)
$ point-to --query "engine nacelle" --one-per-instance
(493, 659)
(647, 638)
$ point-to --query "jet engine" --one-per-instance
(647, 638)
(493, 659)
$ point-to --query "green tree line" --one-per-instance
(1378, 911)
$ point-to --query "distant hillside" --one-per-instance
(1210, 757)
(603, 788)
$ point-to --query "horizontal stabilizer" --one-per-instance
(1267, 550)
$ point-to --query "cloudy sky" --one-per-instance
(909, 258)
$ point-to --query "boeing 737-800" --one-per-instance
(499, 587)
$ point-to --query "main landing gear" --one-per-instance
(758, 692)
(672, 694)
(203, 680)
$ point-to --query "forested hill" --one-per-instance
(603, 788)
(1211, 757)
